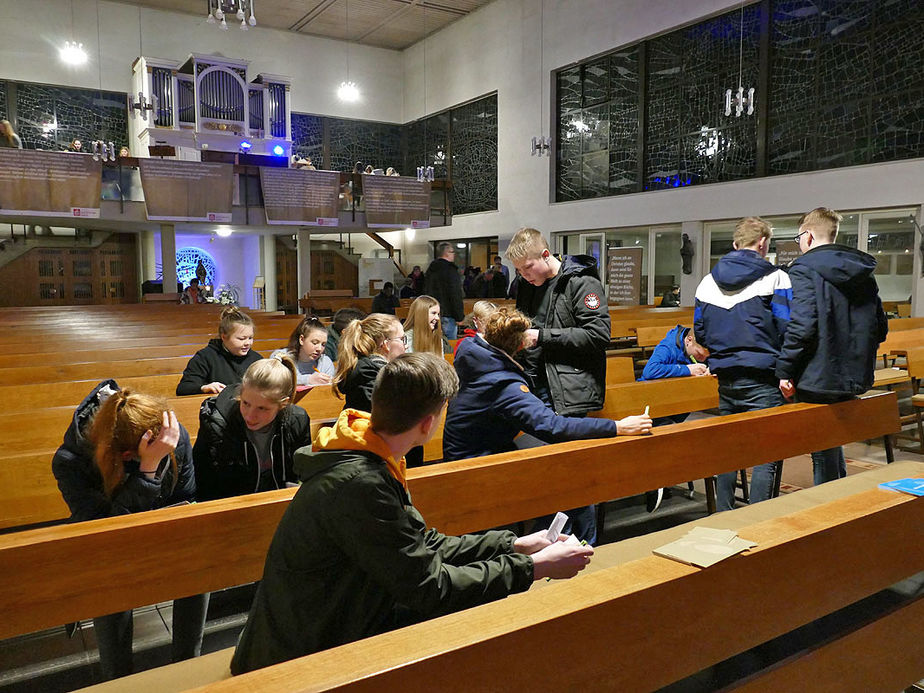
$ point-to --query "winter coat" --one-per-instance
(573, 335)
(836, 325)
(741, 312)
(669, 359)
(81, 483)
(443, 282)
(494, 404)
(357, 388)
(226, 461)
(352, 558)
(214, 364)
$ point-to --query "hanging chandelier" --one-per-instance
(220, 10)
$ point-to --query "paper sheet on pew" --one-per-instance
(703, 547)
(914, 487)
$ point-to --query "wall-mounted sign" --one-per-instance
(187, 190)
(395, 201)
(302, 198)
(624, 276)
(55, 184)
(786, 252)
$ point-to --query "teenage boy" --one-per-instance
(565, 351)
(835, 328)
(741, 312)
(352, 558)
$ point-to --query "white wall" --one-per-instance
(32, 31)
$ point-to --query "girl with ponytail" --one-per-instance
(249, 433)
(365, 347)
(124, 452)
(224, 359)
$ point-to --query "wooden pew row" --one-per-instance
(455, 497)
(598, 614)
(903, 324)
(619, 369)
(901, 340)
(107, 352)
(138, 319)
(624, 328)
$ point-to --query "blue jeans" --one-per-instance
(450, 327)
(829, 465)
(740, 392)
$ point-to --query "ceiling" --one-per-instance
(394, 24)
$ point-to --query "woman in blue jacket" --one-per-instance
(125, 453)
(495, 401)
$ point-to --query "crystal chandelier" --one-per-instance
(219, 10)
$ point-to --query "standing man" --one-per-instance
(836, 325)
(565, 351)
(442, 282)
(741, 312)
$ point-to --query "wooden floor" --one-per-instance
(49, 661)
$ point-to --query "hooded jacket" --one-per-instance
(494, 404)
(81, 483)
(741, 312)
(227, 463)
(357, 386)
(214, 364)
(352, 558)
(836, 325)
(669, 359)
(442, 282)
(574, 334)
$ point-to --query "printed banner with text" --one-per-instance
(55, 184)
(393, 201)
(624, 276)
(187, 190)
(302, 198)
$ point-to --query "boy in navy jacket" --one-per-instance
(835, 327)
(741, 312)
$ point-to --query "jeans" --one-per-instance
(450, 327)
(740, 392)
(114, 635)
(829, 465)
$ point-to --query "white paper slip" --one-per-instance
(704, 547)
(572, 540)
(558, 524)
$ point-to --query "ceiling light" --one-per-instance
(72, 53)
(348, 92)
(223, 231)
(278, 150)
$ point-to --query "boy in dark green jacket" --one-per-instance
(352, 558)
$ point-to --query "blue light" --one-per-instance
(278, 150)
(245, 145)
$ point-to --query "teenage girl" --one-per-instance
(365, 347)
(306, 347)
(224, 360)
(423, 329)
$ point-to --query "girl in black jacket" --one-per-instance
(248, 434)
(224, 359)
(125, 453)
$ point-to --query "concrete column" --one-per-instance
(917, 281)
(168, 256)
(148, 269)
(689, 282)
(304, 262)
(268, 269)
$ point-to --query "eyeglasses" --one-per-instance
(402, 339)
(800, 235)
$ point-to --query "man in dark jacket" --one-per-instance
(740, 316)
(443, 282)
(565, 352)
(352, 558)
(835, 327)
(385, 301)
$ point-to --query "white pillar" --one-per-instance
(304, 261)
(917, 281)
(268, 269)
(148, 269)
(689, 282)
(168, 256)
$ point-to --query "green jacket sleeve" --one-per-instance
(468, 548)
(390, 544)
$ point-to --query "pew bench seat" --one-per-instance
(214, 668)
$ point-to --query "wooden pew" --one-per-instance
(665, 397)
(455, 497)
(619, 369)
(904, 324)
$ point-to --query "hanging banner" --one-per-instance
(187, 190)
(396, 201)
(301, 198)
(54, 184)
(786, 252)
(624, 272)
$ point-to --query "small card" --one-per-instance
(914, 487)
(558, 524)
(703, 547)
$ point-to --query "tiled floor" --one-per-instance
(49, 661)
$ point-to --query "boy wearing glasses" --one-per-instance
(835, 326)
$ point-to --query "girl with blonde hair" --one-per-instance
(249, 434)
(224, 359)
(423, 329)
(124, 452)
(365, 347)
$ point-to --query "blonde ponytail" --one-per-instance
(273, 378)
(361, 338)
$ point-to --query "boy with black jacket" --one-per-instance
(352, 558)
(835, 326)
